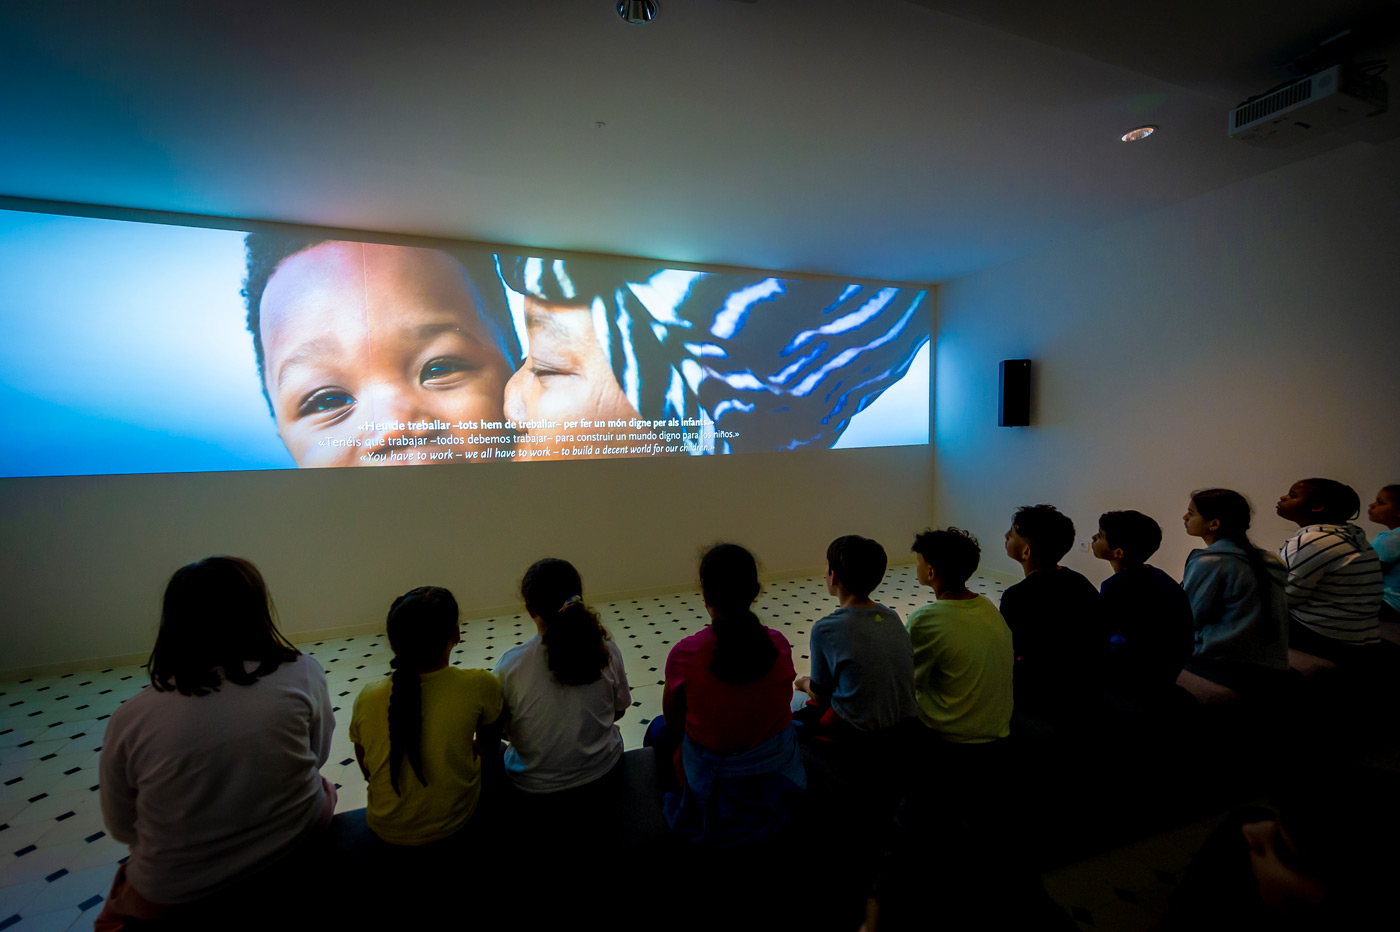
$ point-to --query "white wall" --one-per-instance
(1245, 338)
(84, 560)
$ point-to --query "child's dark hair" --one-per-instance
(422, 624)
(1233, 512)
(1339, 501)
(952, 552)
(1132, 532)
(217, 614)
(575, 641)
(729, 582)
(858, 562)
(1394, 491)
(1051, 534)
(264, 252)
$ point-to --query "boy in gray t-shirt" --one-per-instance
(862, 660)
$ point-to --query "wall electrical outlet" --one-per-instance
(1083, 545)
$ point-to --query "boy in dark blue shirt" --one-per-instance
(1146, 613)
(1056, 621)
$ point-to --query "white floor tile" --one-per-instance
(54, 805)
(17, 735)
(15, 898)
(39, 863)
(48, 922)
(36, 750)
(72, 889)
(75, 828)
(17, 837)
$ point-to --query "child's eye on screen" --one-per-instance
(324, 400)
(442, 370)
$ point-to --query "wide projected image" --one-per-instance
(132, 347)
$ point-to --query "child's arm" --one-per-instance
(818, 685)
(322, 718)
(622, 692)
(673, 707)
(355, 736)
(494, 716)
(489, 735)
(1387, 547)
(1310, 556)
(360, 759)
(1204, 586)
(118, 799)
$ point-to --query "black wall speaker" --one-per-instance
(1014, 407)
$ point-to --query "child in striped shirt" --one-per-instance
(1334, 576)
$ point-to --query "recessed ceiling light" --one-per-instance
(1142, 132)
(636, 12)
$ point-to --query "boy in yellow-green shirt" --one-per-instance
(962, 646)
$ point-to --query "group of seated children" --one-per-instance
(213, 773)
(1226, 629)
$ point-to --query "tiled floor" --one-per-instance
(56, 863)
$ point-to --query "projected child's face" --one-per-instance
(359, 337)
(566, 376)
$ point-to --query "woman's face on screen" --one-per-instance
(565, 377)
(360, 338)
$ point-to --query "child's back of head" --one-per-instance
(1049, 533)
(422, 627)
(1132, 532)
(575, 640)
(858, 563)
(1330, 501)
(729, 584)
(952, 554)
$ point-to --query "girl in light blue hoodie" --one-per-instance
(1236, 593)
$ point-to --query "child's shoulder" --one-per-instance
(1314, 532)
(857, 613)
(1318, 538)
(372, 693)
(694, 644)
(469, 674)
(779, 640)
(513, 656)
(945, 608)
(1222, 553)
(1075, 580)
(884, 612)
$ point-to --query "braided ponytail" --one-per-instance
(422, 625)
(405, 724)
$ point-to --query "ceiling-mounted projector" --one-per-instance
(1329, 100)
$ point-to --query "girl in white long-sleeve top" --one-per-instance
(213, 771)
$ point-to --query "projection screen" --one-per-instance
(134, 347)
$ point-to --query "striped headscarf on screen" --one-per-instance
(781, 363)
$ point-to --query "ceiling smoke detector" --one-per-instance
(636, 12)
